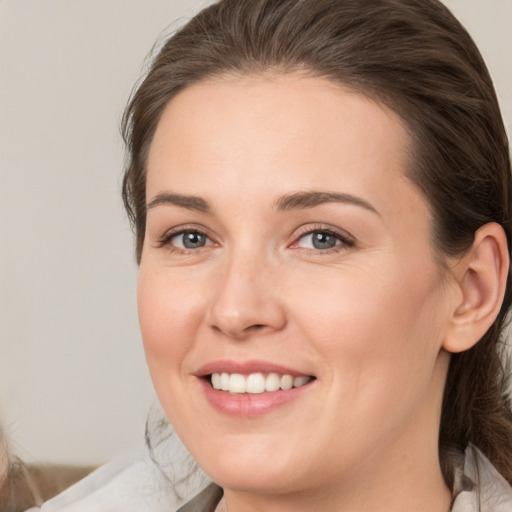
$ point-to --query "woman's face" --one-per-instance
(285, 247)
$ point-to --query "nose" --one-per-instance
(247, 300)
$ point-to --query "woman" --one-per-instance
(23, 486)
(16, 493)
(321, 196)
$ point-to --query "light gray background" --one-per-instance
(73, 382)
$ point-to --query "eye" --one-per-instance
(189, 239)
(323, 240)
(319, 240)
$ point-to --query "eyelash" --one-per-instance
(346, 241)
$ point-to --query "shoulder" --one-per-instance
(132, 483)
(490, 491)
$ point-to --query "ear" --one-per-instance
(480, 277)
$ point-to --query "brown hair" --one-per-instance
(412, 56)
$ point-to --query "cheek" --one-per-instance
(385, 323)
(168, 313)
(378, 341)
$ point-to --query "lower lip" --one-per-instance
(248, 404)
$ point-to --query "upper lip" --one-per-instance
(247, 367)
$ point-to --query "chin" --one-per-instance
(259, 478)
(250, 467)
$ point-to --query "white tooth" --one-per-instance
(216, 378)
(236, 383)
(224, 381)
(286, 382)
(300, 381)
(273, 382)
(255, 383)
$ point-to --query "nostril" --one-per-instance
(255, 327)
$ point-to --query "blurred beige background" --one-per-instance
(73, 382)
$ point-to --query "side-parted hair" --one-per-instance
(415, 58)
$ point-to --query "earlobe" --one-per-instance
(481, 277)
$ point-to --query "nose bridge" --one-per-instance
(244, 301)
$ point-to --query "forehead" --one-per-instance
(293, 105)
(292, 131)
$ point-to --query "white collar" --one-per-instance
(134, 483)
(490, 492)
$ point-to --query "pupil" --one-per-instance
(193, 240)
(323, 241)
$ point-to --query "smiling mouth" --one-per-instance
(256, 383)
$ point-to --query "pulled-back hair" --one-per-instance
(412, 56)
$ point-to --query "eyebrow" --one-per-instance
(302, 200)
(184, 201)
(295, 201)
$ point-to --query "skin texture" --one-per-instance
(369, 318)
